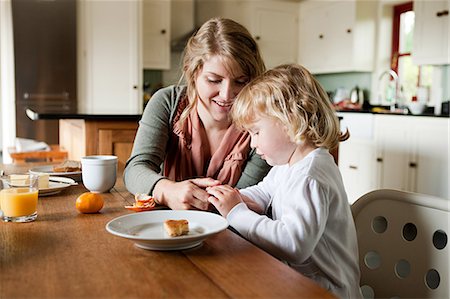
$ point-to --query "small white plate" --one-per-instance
(76, 175)
(147, 231)
(53, 188)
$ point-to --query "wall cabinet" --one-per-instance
(156, 34)
(337, 36)
(431, 32)
(83, 137)
(396, 152)
(109, 63)
(274, 25)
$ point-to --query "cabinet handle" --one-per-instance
(353, 167)
(412, 164)
(442, 13)
(379, 159)
(135, 87)
(321, 36)
(163, 31)
(349, 30)
(257, 37)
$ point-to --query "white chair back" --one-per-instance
(403, 244)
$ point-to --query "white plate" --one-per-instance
(53, 188)
(76, 175)
(147, 231)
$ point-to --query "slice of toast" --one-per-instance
(176, 228)
(68, 166)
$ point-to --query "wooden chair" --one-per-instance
(403, 244)
(55, 154)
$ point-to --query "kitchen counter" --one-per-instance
(385, 110)
(49, 114)
(84, 133)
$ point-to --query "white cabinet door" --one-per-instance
(393, 141)
(337, 36)
(357, 154)
(431, 156)
(109, 64)
(313, 50)
(357, 166)
(275, 30)
(431, 32)
(156, 34)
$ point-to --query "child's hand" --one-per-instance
(224, 198)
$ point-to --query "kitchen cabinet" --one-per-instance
(337, 36)
(273, 24)
(357, 155)
(109, 61)
(431, 32)
(156, 34)
(357, 165)
(409, 153)
(413, 154)
(83, 137)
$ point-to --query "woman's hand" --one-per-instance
(224, 198)
(184, 195)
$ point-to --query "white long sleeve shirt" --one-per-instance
(312, 228)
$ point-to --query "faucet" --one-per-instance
(394, 76)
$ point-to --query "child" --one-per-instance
(299, 212)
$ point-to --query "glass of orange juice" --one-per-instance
(19, 198)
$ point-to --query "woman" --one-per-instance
(186, 141)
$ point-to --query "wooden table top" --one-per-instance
(65, 254)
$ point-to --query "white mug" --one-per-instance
(99, 173)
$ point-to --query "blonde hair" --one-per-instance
(227, 39)
(291, 95)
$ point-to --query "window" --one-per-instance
(410, 76)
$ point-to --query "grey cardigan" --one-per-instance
(143, 168)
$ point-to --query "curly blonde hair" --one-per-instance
(227, 39)
(291, 95)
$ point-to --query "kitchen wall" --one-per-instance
(331, 82)
(446, 82)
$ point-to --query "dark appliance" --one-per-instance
(45, 64)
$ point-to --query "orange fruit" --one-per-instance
(89, 202)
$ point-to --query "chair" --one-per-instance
(403, 244)
(55, 154)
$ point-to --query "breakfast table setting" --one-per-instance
(115, 252)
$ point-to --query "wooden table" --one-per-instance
(65, 254)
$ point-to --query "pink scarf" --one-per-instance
(188, 155)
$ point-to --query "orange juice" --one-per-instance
(16, 202)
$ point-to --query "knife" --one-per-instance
(64, 180)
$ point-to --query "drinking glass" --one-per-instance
(19, 198)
